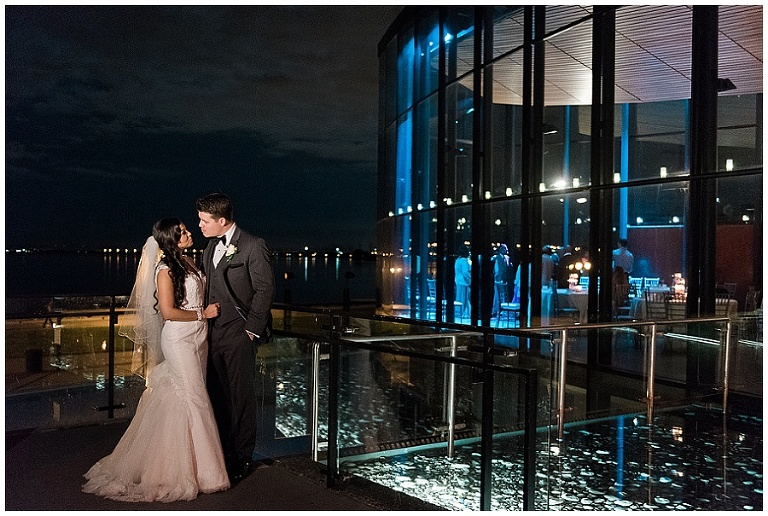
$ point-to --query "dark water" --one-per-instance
(317, 280)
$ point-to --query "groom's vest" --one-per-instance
(218, 293)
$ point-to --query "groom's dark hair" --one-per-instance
(217, 204)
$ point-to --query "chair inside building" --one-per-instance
(509, 311)
(651, 283)
(721, 304)
(558, 310)
(621, 305)
(655, 305)
(432, 297)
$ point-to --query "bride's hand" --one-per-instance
(212, 311)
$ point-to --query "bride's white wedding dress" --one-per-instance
(171, 450)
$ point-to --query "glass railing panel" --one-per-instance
(305, 322)
(746, 358)
(396, 412)
(57, 369)
(508, 456)
(394, 424)
(291, 360)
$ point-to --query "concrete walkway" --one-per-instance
(44, 471)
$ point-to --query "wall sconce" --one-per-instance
(542, 187)
(575, 182)
(508, 191)
(663, 172)
(729, 165)
(616, 177)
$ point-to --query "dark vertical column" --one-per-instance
(601, 159)
(599, 345)
(445, 296)
(442, 168)
(703, 147)
(526, 227)
(481, 215)
(536, 139)
(479, 252)
(757, 245)
(701, 363)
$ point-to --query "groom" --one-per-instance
(240, 278)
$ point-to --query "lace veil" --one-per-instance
(142, 321)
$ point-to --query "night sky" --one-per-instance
(118, 116)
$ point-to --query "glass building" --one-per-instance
(566, 128)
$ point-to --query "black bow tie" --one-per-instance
(223, 239)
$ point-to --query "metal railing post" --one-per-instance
(726, 366)
(111, 359)
(450, 416)
(333, 403)
(650, 392)
(561, 380)
(315, 415)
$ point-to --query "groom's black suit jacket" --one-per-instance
(246, 279)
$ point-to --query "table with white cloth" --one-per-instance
(638, 309)
(566, 299)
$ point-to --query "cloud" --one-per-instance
(116, 95)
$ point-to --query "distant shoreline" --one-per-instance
(355, 254)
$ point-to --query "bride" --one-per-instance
(171, 450)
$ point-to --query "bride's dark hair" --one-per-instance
(167, 232)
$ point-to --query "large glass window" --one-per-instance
(651, 146)
(459, 144)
